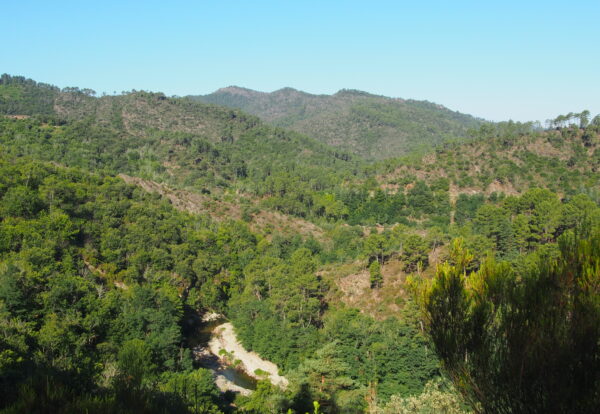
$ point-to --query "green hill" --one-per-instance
(237, 159)
(187, 144)
(375, 127)
(101, 282)
(510, 159)
(22, 96)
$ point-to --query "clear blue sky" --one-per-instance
(521, 60)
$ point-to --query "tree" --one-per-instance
(21, 201)
(375, 275)
(135, 364)
(584, 118)
(435, 237)
(466, 207)
(327, 205)
(493, 223)
(266, 398)
(421, 198)
(196, 389)
(326, 376)
(376, 247)
(579, 211)
(570, 116)
(522, 232)
(433, 400)
(414, 253)
(559, 120)
(521, 341)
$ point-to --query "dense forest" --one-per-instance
(124, 219)
(371, 126)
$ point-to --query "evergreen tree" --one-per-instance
(521, 341)
(376, 277)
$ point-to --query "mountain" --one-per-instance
(375, 127)
(228, 154)
(189, 144)
(236, 159)
(124, 219)
(22, 96)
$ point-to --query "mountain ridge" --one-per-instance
(301, 246)
(372, 126)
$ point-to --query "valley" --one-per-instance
(351, 248)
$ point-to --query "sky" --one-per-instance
(498, 60)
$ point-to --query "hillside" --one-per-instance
(191, 145)
(237, 164)
(402, 216)
(101, 284)
(508, 160)
(234, 159)
(375, 127)
(124, 218)
(22, 96)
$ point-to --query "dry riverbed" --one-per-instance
(231, 363)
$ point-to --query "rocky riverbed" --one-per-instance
(234, 368)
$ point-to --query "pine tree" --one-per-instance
(521, 341)
(376, 276)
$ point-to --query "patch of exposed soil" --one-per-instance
(220, 210)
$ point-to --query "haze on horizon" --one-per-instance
(495, 61)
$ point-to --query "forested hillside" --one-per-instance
(124, 219)
(509, 158)
(202, 147)
(375, 127)
(100, 280)
(22, 96)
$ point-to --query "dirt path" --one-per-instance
(224, 337)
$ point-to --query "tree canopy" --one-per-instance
(524, 339)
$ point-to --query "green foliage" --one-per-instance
(466, 207)
(372, 126)
(375, 353)
(414, 253)
(436, 398)
(280, 306)
(134, 364)
(265, 399)
(231, 149)
(325, 377)
(396, 207)
(21, 96)
(375, 276)
(346, 243)
(100, 282)
(87, 298)
(377, 247)
(506, 158)
(195, 389)
(522, 339)
(493, 223)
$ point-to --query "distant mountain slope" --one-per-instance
(237, 159)
(186, 143)
(22, 96)
(372, 126)
(509, 159)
